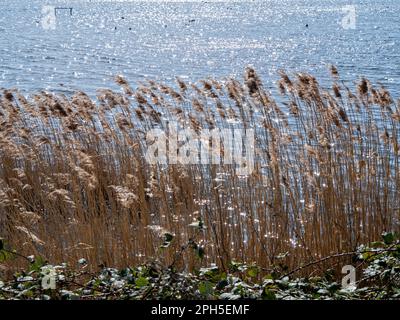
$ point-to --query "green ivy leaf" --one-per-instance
(268, 294)
(37, 264)
(388, 238)
(206, 288)
(252, 272)
(234, 266)
(141, 282)
(366, 255)
(268, 277)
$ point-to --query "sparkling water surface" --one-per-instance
(161, 40)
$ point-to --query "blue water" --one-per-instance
(162, 40)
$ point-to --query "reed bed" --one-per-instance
(74, 181)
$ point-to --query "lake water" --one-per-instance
(161, 40)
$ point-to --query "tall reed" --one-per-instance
(74, 181)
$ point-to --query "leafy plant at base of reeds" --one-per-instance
(380, 263)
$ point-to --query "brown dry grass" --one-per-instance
(74, 182)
